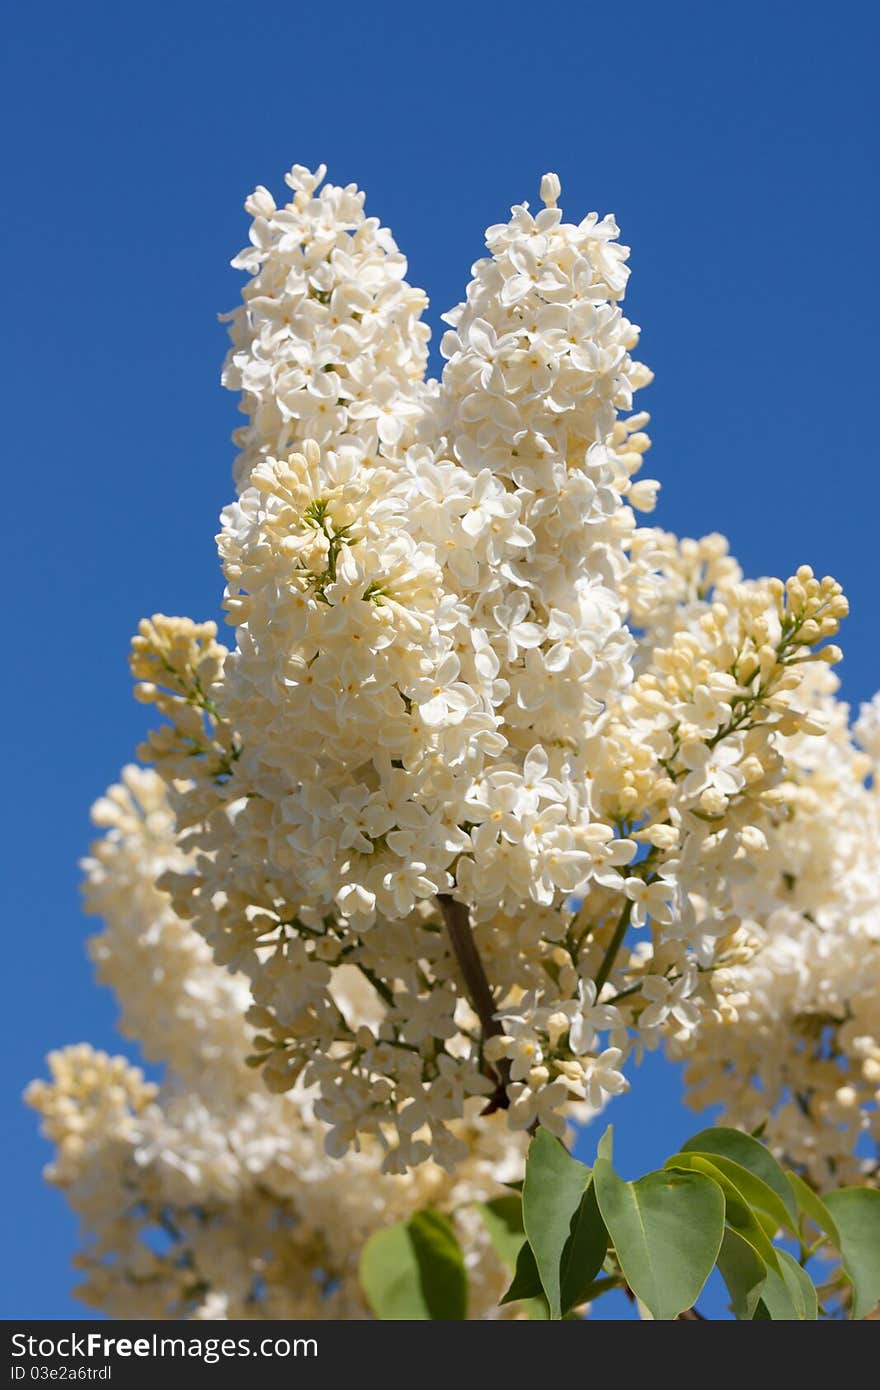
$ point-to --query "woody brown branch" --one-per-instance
(458, 926)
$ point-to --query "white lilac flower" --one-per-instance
(465, 687)
(264, 1205)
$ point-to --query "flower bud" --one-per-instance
(550, 190)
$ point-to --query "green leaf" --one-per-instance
(667, 1230)
(583, 1252)
(811, 1204)
(769, 1225)
(744, 1273)
(790, 1295)
(743, 1149)
(441, 1266)
(526, 1282)
(554, 1185)
(415, 1271)
(389, 1275)
(738, 1211)
(754, 1190)
(856, 1214)
(502, 1218)
(800, 1287)
(605, 1146)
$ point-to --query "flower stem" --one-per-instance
(458, 926)
(614, 946)
(379, 986)
(457, 920)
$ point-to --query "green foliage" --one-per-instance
(744, 1272)
(811, 1206)
(667, 1230)
(605, 1146)
(762, 1199)
(790, 1295)
(526, 1282)
(584, 1252)
(856, 1214)
(503, 1220)
(573, 1232)
(739, 1215)
(415, 1270)
(554, 1186)
(749, 1153)
(441, 1266)
(389, 1275)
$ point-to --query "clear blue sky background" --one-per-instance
(732, 142)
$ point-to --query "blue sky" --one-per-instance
(733, 144)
